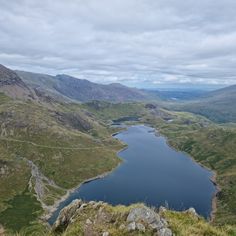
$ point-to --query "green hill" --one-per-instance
(219, 105)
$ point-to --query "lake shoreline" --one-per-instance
(212, 178)
(157, 133)
(49, 210)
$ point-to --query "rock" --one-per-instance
(192, 211)
(164, 232)
(122, 226)
(156, 225)
(143, 214)
(83, 206)
(140, 227)
(105, 234)
(162, 209)
(88, 222)
(164, 222)
(66, 215)
(97, 204)
(131, 226)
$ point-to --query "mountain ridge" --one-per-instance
(13, 86)
(71, 88)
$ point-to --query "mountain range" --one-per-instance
(218, 105)
(70, 88)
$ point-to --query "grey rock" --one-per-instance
(122, 226)
(162, 209)
(192, 211)
(131, 226)
(143, 214)
(105, 234)
(140, 227)
(164, 232)
(164, 222)
(157, 225)
(88, 222)
(83, 205)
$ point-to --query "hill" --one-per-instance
(71, 88)
(12, 85)
(47, 149)
(217, 105)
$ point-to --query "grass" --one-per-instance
(111, 111)
(185, 224)
(60, 139)
(23, 210)
(112, 217)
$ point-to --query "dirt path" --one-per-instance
(53, 147)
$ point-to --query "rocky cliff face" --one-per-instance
(13, 86)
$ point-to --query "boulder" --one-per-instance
(105, 234)
(143, 214)
(164, 232)
(140, 227)
(192, 212)
(131, 226)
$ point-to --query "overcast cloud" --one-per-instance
(137, 42)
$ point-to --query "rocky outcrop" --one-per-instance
(98, 218)
(143, 217)
(12, 85)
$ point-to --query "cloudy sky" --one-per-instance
(137, 42)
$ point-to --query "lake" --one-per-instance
(152, 172)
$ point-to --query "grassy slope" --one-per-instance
(218, 105)
(111, 111)
(58, 145)
(181, 223)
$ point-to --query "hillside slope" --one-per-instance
(47, 149)
(219, 105)
(12, 85)
(98, 218)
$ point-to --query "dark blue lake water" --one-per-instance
(152, 172)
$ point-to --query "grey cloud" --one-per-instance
(154, 41)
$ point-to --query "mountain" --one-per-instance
(43, 83)
(218, 105)
(12, 85)
(173, 94)
(71, 88)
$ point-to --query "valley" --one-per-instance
(50, 145)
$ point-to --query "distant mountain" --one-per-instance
(174, 95)
(218, 105)
(42, 83)
(68, 87)
(12, 85)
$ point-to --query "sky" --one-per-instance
(141, 43)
